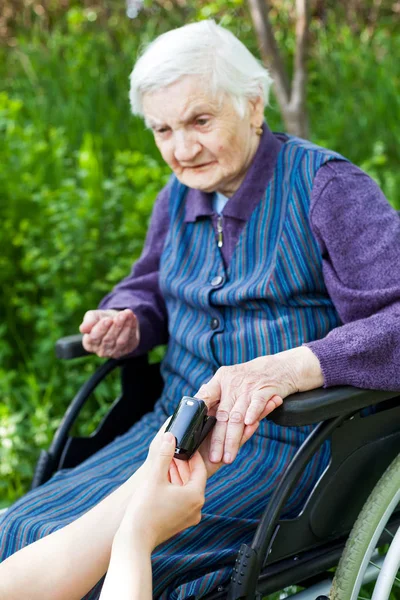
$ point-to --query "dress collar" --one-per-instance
(244, 200)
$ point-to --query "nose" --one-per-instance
(186, 147)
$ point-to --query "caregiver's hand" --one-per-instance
(241, 395)
(166, 502)
(110, 333)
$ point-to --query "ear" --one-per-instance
(256, 107)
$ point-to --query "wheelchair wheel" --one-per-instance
(387, 577)
(365, 535)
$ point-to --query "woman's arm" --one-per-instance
(358, 233)
(159, 500)
(69, 562)
(129, 576)
(132, 318)
(140, 291)
(168, 502)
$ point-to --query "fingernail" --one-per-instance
(227, 457)
(166, 445)
(248, 420)
(214, 457)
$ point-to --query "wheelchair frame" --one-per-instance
(283, 552)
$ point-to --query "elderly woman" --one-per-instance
(270, 266)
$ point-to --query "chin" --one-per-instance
(204, 186)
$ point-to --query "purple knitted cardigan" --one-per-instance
(358, 234)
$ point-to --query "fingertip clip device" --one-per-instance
(190, 425)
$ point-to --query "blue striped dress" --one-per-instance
(271, 297)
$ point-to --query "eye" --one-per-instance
(202, 121)
(161, 130)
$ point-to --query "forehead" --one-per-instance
(181, 100)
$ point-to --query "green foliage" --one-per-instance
(69, 232)
(79, 177)
(354, 101)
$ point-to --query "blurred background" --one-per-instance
(79, 175)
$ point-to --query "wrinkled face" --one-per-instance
(203, 139)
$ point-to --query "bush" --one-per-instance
(69, 234)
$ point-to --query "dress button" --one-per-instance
(217, 280)
(214, 323)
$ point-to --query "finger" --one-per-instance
(88, 346)
(249, 430)
(175, 478)
(183, 470)
(235, 429)
(257, 405)
(162, 461)
(210, 392)
(99, 330)
(218, 438)
(228, 399)
(91, 317)
(271, 405)
(198, 471)
(128, 338)
(109, 340)
(158, 438)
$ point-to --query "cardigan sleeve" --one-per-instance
(358, 233)
(140, 290)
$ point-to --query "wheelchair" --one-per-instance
(301, 551)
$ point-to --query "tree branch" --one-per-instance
(269, 49)
(298, 94)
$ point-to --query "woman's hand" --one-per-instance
(110, 333)
(205, 448)
(241, 395)
(167, 501)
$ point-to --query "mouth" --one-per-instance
(199, 167)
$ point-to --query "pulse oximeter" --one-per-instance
(190, 425)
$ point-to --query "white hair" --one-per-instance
(202, 49)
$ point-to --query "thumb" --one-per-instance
(210, 392)
(163, 458)
(90, 318)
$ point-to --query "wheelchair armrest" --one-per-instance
(70, 347)
(306, 408)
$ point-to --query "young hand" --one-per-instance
(164, 506)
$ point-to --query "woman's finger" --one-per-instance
(127, 339)
(211, 392)
(175, 478)
(161, 462)
(235, 428)
(249, 430)
(91, 317)
(157, 439)
(198, 471)
(273, 403)
(183, 469)
(86, 343)
(99, 331)
(218, 435)
(217, 441)
(227, 401)
(257, 405)
(108, 343)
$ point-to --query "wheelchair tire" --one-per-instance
(365, 534)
